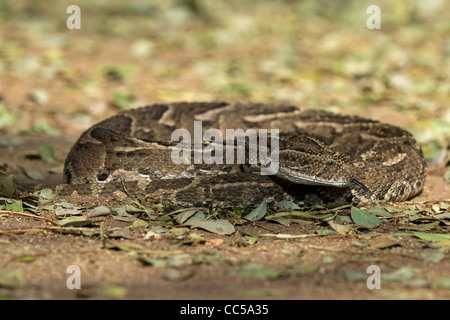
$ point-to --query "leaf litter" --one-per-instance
(344, 220)
(284, 213)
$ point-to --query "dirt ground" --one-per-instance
(55, 83)
(314, 267)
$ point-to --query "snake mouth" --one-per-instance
(313, 180)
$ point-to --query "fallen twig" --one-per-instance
(47, 228)
(20, 231)
(30, 216)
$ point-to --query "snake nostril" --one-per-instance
(102, 177)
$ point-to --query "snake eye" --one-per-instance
(329, 162)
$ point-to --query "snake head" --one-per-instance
(306, 160)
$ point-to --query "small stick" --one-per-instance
(44, 228)
(19, 231)
(30, 216)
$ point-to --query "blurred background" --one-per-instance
(316, 54)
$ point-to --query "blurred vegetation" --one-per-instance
(318, 54)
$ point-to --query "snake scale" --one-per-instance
(343, 159)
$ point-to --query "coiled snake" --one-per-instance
(324, 158)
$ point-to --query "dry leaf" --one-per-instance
(382, 242)
(339, 228)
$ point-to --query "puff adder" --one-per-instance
(325, 158)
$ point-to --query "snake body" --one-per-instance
(324, 158)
